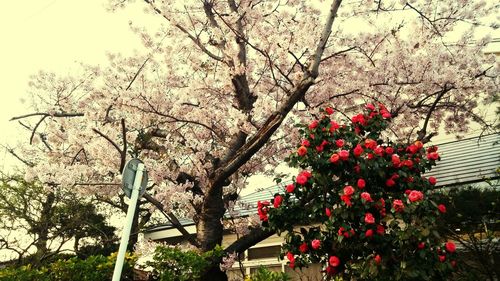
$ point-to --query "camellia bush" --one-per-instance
(366, 211)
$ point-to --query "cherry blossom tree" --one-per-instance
(222, 83)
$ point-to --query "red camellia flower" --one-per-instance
(421, 245)
(334, 261)
(303, 247)
(315, 244)
(329, 110)
(453, 263)
(262, 209)
(346, 199)
(370, 107)
(334, 158)
(398, 205)
(344, 154)
(380, 229)
(313, 124)
(290, 188)
(369, 219)
(361, 183)
(389, 150)
(377, 259)
(301, 179)
(442, 258)
(415, 196)
(319, 148)
(340, 142)
(412, 149)
(369, 233)
(442, 208)
(305, 143)
(341, 231)
(328, 212)
(277, 201)
(348, 190)
(371, 144)
(450, 247)
(432, 180)
(395, 160)
(379, 151)
(390, 183)
(333, 126)
(366, 196)
(302, 151)
(433, 156)
(358, 150)
(357, 169)
(291, 258)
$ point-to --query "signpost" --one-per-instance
(134, 181)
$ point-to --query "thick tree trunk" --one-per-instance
(41, 229)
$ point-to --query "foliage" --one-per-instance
(376, 213)
(73, 269)
(263, 274)
(174, 264)
(48, 219)
(472, 219)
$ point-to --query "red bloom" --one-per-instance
(369, 219)
(341, 231)
(301, 179)
(433, 156)
(370, 107)
(303, 247)
(380, 229)
(315, 244)
(290, 188)
(330, 270)
(408, 163)
(360, 118)
(313, 124)
(357, 169)
(390, 183)
(450, 247)
(415, 196)
(348, 190)
(329, 110)
(334, 158)
(366, 196)
(377, 259)
(442, 208)
(291, 258)
(379, 151)
(305, 143)
(334, 261)
(369, 233)
(262, 209)
(361, 183)
(395, 160)
(277, 201)
(432, 180)
(442, 258)
(398, 205)
(340, 142)
(334, 126)
(421, 245)
(389, 150)
(344, 154)
(358, 150)
(453, 263)
(328, 212)
(371, 144)
(319, 148)
(346, 199)
(302, 151)
(412, 149)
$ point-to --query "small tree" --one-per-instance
(367, 212)
(37, 223)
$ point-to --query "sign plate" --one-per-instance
(128, 177)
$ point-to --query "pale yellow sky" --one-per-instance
(53, 35)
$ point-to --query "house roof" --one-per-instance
(464, 161)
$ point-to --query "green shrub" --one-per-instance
(72, 269)
(174, 264)
(264, 274)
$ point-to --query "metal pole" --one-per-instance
(128, 222)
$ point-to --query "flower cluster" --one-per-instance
(348, 173)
